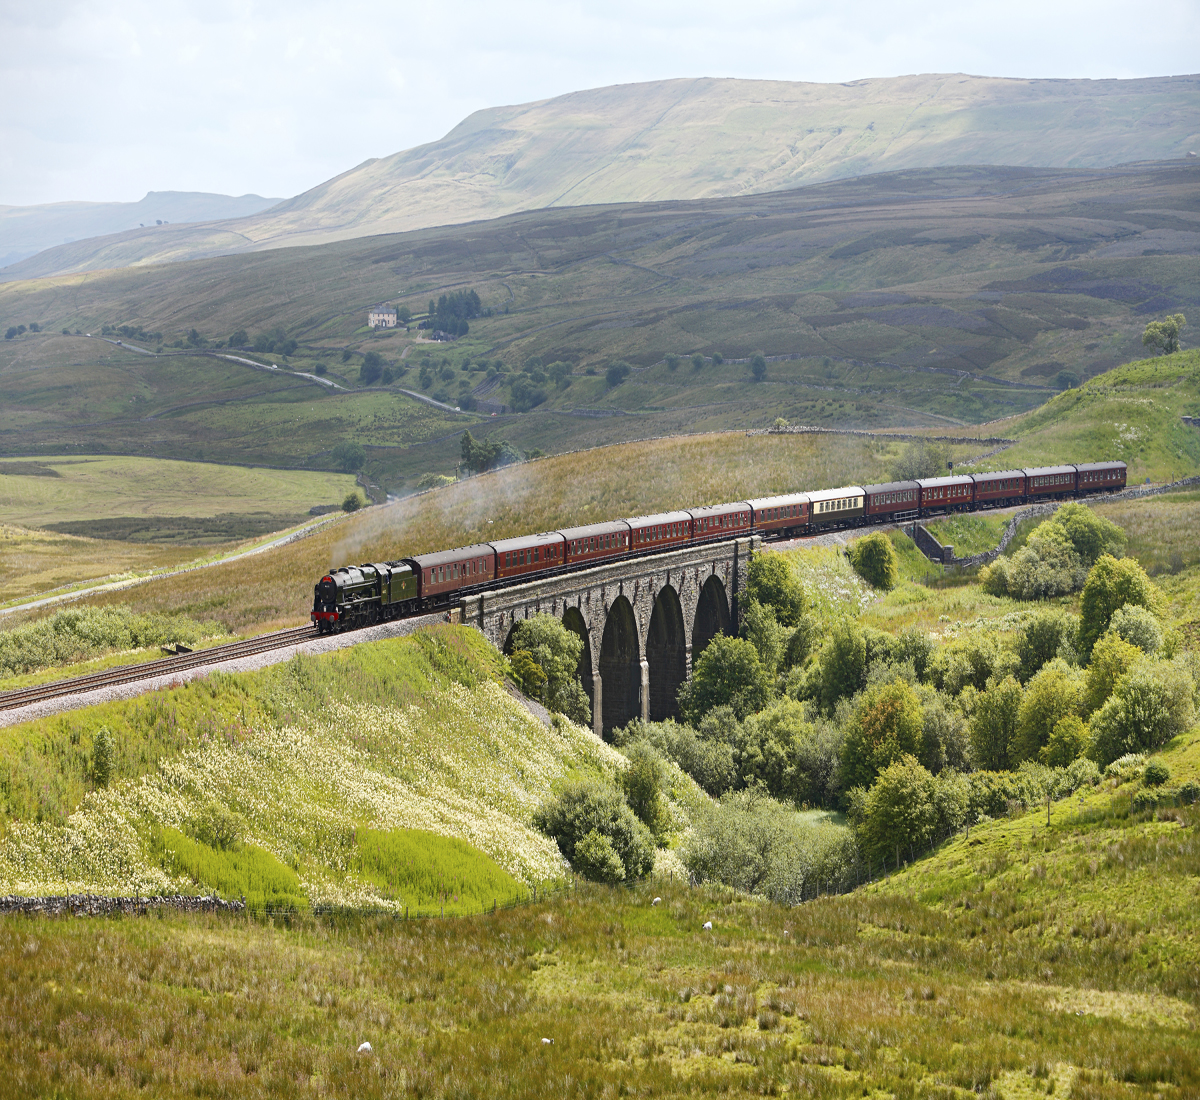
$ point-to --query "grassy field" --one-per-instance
(928, 299)
(78, 489)
(40, 561)
(1026, 961)
(969, 534)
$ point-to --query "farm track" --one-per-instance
(164, 666)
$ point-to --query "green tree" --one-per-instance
(762, 630)
(1068, 741)
(371, 369)
(1163, 336)
(1050, 696)
(921, 459)
(672, 361)
(993, 725)
(758, 366)
(1138, 627)
(874, 559)
(239, 339)
(596, 859)
(352, 502)
(1049, 634)
(1112, 584)
(560, 373)
(404, 314)
(887, 724)
(616, 374)
(642, 784)
(1090, 535)
(1112, 660)
(899, 815)
(348, 457)
(697, 361)
(728, 673)
(843, 663)
(771, 581)
(555, 650)
(583, 806)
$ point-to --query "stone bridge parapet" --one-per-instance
(642, 622)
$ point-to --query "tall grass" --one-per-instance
(247, 872)
(79, 633)
(427, 871)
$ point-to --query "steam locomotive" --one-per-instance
(360, 595)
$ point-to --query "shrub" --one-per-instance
(352, 502)
(616, 374)
(1050, 696)
(348, 457)
(874, 559)
(1156, 773)
(583, 806)
(974, 661)
(752, 843)
(887, 724)
(771, 581)
(728, 673)
(944, 742)
(769, 752)
(707, 759)
(103, 756)
(993, 725)
(761, 630)
(1138, 627)
(542, 645)
(597, 859)
(1112, 584)
(217, 826)
(1149, 707)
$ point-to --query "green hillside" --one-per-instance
(934, 299)
(686, 139)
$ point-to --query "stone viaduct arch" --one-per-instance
(642, 621)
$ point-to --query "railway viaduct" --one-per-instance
(642, 622)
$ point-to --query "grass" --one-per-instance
(969, 534)
(33, 561)
(248, 872)
(1028, 961)
(99, 488)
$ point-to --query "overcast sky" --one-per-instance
(107, 99)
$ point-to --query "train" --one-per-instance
(362, 595)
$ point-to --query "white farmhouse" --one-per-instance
(382, 317)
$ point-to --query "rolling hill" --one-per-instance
(27, 230)
(687, 139)
(930, 298)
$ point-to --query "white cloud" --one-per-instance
(106, 100)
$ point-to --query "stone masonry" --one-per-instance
(642, 621)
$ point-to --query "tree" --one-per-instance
(887, 724)
(403, 314)
(11, 333)
(1163, 336)
(560, 373)
(1051, 695)
(728, 673)
(921, 459)
(348, 457)
(352, 503)
(525, 394)
(874, 559)
(1112, 584)
(842, 663)
(758, 366)
(641, 783)
(697, 361)
(554, 651)
(1138, 627)
(1090, 535)
(762, 630)
(371, 369)
(239, 339)
(993, 724)
(671, 360)
(1049, 634)
(616, 374)
(899, 813)
(584, 806)
(1068, 741)
(771, 581)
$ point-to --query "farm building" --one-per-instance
(382, 317)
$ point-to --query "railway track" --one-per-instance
(164, 666)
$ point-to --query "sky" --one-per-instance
(104, 100)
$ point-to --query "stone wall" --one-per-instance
(93, 905)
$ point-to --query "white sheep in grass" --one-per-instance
(365, 1048)
(708, 926)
